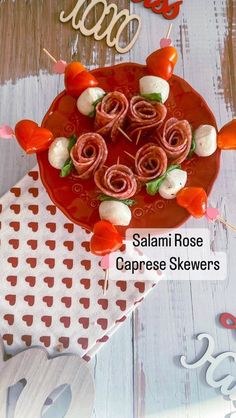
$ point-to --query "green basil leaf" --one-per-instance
(193, 147)
(154, 97)
(99, 100)
(93, 113)
(153, 186)
(173, 167)
(72, 142)
(104, 198)
(67, 168)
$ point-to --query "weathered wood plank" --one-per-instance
(28, 26)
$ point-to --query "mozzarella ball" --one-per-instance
(115, 212)
(86, 100)
(173, 183)
(150, 84)
(206, 140)
(58, 152)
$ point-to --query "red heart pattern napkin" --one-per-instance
(51, 285)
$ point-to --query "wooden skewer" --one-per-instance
(224, 222)
(49, 55)
(138, 137)
(169, 31)
(118, 161)
(125, 134)
(105, 286)
(130, 155)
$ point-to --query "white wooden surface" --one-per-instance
(137, 373)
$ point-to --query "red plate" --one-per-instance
(77, 199)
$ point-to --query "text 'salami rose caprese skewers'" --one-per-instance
(163, 146)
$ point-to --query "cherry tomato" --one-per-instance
(194, 200)
(227, 136)
(161, 63)
(77, 79)
(106, 239)
(31, 137)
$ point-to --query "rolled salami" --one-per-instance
(175, 139)
(89, 154)
(144, 116)
(111, 114)
(116, 181)
(150, 162)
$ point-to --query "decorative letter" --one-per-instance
(224, 384)
(43, 376)
(206, 357)
(108, 32)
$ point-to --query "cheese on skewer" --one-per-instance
(175, 181)
(86, 100)
(115, 212)
(206, 140)
(58, 152)
(150, 84)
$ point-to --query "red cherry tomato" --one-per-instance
(74, 68)
(161, 63)
(194, 200)
(77, 79)
(227, 136)
(106, 239)
(31, 137)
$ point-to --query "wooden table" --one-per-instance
(137, 373)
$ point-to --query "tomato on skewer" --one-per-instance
(227, 136)
(194, 200)
(77, 79)
(161, 63)
(31, 137)
(105, 239)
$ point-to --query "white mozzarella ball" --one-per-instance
(206, 140)
(86, 100)
(150, 84)
(58, 152)
(115, 212)
(173, 183)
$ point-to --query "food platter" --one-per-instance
(78, 199)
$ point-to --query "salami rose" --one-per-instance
(144, 115)
(116, 181)
(150, 162)
(111, 114)
(175, 139)
(89, 154)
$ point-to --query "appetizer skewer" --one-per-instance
(161, 144)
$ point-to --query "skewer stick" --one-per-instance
(129, 155)
(105, 286)
(169, 31)
(138, 137)
(118, 161)
(49, 55)
(224, 222)
(125, 134)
